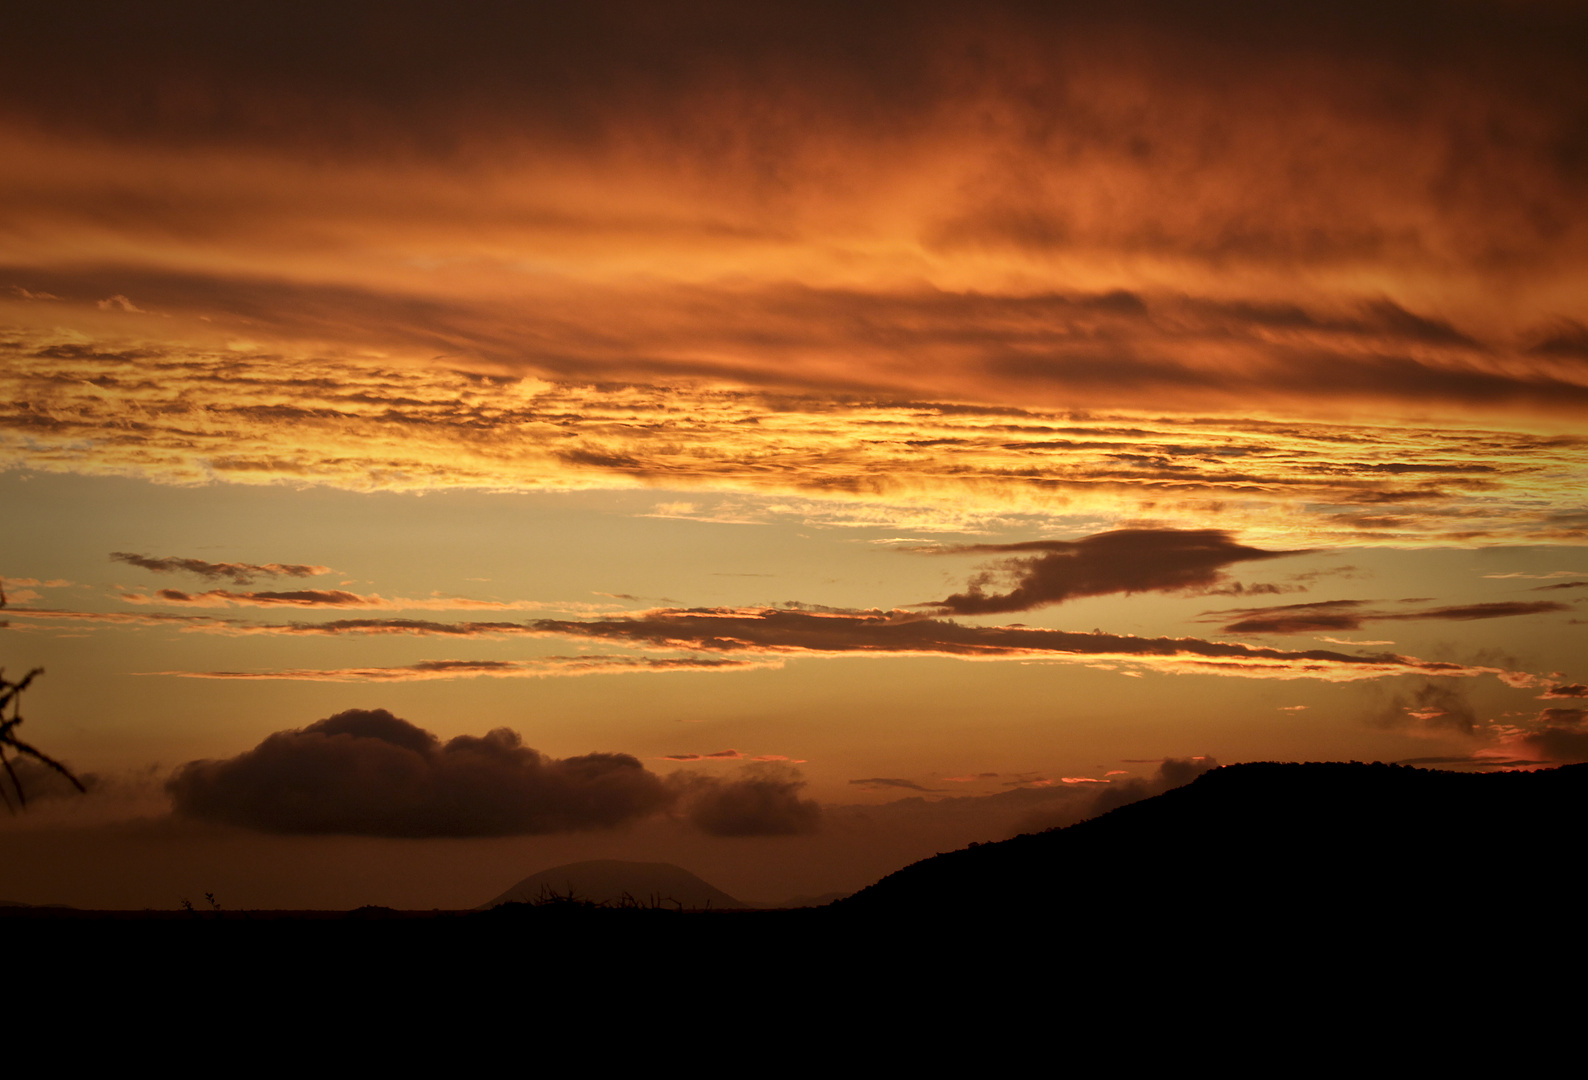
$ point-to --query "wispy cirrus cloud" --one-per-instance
(432, 670)
(1343, 615)
(198, 623)
(748, 638)
(842, 458)
(879, 783)
(237, 572)
(731, 755)
(341, 598)
(788, 632)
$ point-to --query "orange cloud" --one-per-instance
(921, 465)
(1032, 207)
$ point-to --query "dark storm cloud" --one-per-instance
(238, 573)
(1125, 561)
(367, 772)
(763, 800)
(1338, 615)
(367, 71)
(1566, 690)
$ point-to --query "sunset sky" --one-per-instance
(821, 436)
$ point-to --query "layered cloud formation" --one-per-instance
(730, 639)
(1039, 202)
(1039, 258)
(846, 460)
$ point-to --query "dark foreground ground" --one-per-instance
(1355, 895)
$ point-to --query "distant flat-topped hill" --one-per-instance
(610, 881)
(1337, 844)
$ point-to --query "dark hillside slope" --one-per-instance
(1264, 845)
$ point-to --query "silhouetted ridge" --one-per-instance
(1344, 842)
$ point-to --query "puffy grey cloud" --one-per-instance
(367, 772)
(762, 800)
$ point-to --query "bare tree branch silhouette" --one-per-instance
(10, 697)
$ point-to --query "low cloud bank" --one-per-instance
(370, 773)
(1560, 736)
(37, 781)
(763, 800)
(365, 772)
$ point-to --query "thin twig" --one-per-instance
(11, 694)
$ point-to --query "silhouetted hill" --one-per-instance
(609, 881)
(1274, 847)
